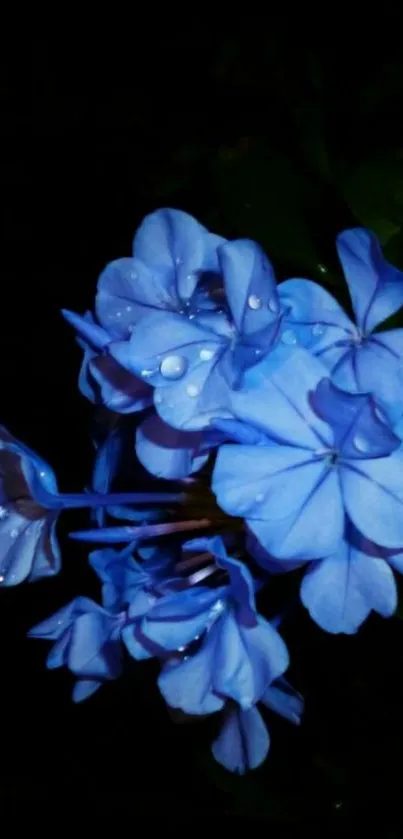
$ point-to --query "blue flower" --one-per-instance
(28, 544)
(88, 642)
(243, 742)
(359, 358)
(329, 454)
(194, 362)
(240, 653)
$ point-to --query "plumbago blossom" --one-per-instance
(277, 422)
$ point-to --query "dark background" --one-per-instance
(284, 130)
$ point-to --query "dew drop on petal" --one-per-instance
(254, 302)
(379, 413)
(361, 444)
(129, 308)
(173, 366)
(318, 329)
(14, 533)
(289, 337)
(146, 373)
(206, 354)
(181, 649)
(158, 398)
(42, 474)
(178, 260)
(118, 314)
(192, 390)
(273, 305)
(1, 578)
(3, 513)
(133, 275)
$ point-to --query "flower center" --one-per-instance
(330, 456)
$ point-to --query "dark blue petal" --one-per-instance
(54, 627)
(284, 700)
(238, 431)
(106, 465)
(193, 402)
(167, 452)
(243, 742)
(250, 285)
(373, 497)
(376, 287)
(377, 368)
(359, 432)
(84, 688)
(177, 619)
(341, 591)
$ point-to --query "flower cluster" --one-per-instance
(277, 421)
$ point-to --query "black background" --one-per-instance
(97, 132)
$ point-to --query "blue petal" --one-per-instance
(281, 491)
(284, 700)
(315, 317)
(250, 285)
(238, 431)
(176, 244)
(167, 452)
(358, 430)
(188, 685)
(247, 659)
(53, 628)
(127, 291)
(373, 497)
(378, 370)
(95, 335)
(375, 286)
(58, 655)
(241, 582)
(177, 619)
(341, 591)
(106, 465)
(193, 402)
(305, 533)
(92, 653)
(26, 464)
(120, 391)
(84, 688)
(277, 401)
(243, 742)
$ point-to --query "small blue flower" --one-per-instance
(330, 454)
(243, 742)
(87, 642)
(240, 653)
(193, 363)
(360, 359)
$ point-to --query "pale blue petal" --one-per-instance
(92, 653)
(127, 291)
(177, 619)
(194, 402)
(340, 591)
(188, 685)
(316, 318)
(373, 497)
(119, 390)
(84, 688)
(250, 285)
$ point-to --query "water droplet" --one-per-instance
(133, 275)
(146, 373)
(318, 329)
(322, 268)
(181, 649)
(14, 533)
(157, 398)
(130, 328)
(289, 337)
(380, 414)
(206, 354)
(192, 390)
(259, 497)
(178, 260)
(258, 352)
(254, 302)
(361, 444)
(3, 513)
(273, 305)
(59, 623)
(129, 308)
(118, 314)
(1, 578)
(42, 474)
(173, 367)
(192, 316)
(218, 608)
